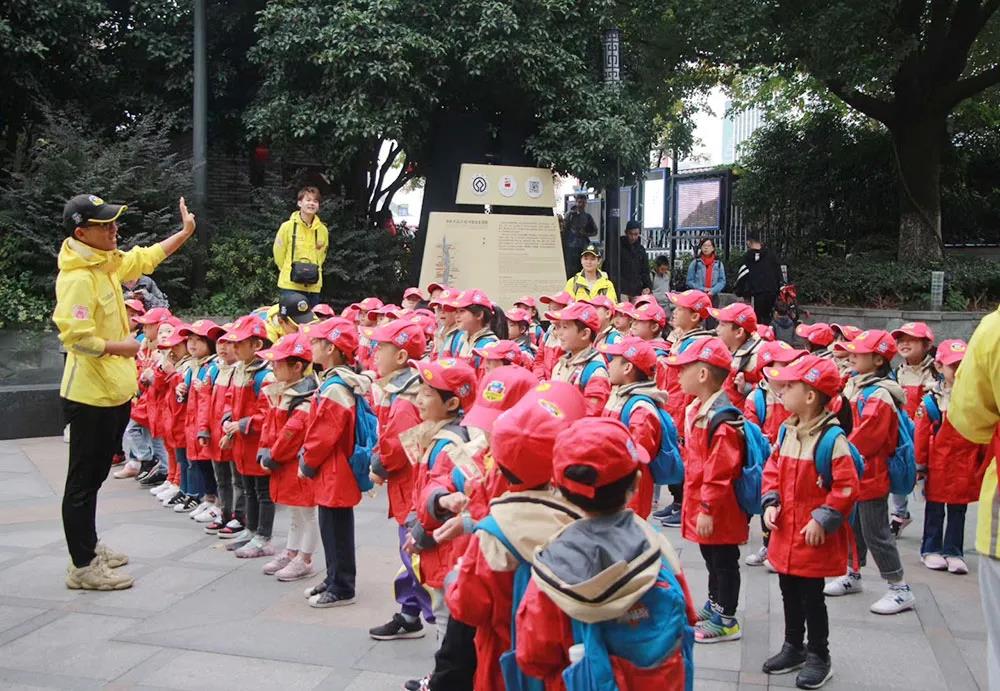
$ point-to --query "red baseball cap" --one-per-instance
(324, 311)
(875, 341)
(765, 332)
(451, 375)
(369, 304)
(500, 350)
(819, 334)
(393, 311)
(821, 374)
(445, 298)
(500, 390)
(601, 301)
(637, 351)
(176, 338)
(562, 298)
(527, 301)
(247, 326)
(136, 306)
(694, 300)
(846, 330)
(404, 335)
(413, 293)
(950, 351)
(206, 328)
(350, 312)
(578, 311)
(738, 313)
(293, 345)
(777, 352)
(436, 286)
(624, 308)
(523, 436)
(468, 298)
(708, 349)
(644, 298)
(518, 315)
(338, 331)
(915, 330)
(426, 322)
(157, 315)
(649, 312)
(603, 444)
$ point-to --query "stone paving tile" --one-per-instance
(158, 589)
(11, 616)
(190, 670)
(22, 579)
(31, 538)
(143, 541)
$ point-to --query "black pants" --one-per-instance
(805, 606)
(260, 508)
(455, 660)
(723, 564)
(677, 492)
(763, 307)
(230, 486)
(336, 530)
(95, 434)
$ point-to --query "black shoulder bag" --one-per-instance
(305, 273)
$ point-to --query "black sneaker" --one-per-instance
(897, 522)
(788, 660)
(179, 498)
(418, 684)
(815, 673)
(397, 628)
(154, 478)
(328, 599)
(314, 590)
(666, 511)
(145, 468)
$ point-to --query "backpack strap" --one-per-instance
(760, 404)
(295, 232)
(490, 525)
(632, 402)
(724, 415)
(933, 410)
(824, 454)
(258, 380)
(589, 370)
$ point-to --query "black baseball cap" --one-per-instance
(592, 249)
(295, 306)
(84, 209)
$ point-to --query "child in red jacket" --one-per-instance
(398, 343)
(536, 334)
(738, 330)
(480, 592)
(582, 365)
(714, 452)
(519, 332)
(610, 571)
(808, 513)
(227, 478)
(449, 339)
(817, 338)
(168, 382)
(246, 407)
(550, 349)
(366, 346)
(631, 369)
(875, 434)
(140, 442)
(952, 467)
(481, 321)
(918, 376)
(281, 437)
(326, 453)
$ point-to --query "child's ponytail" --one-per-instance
(498, 324)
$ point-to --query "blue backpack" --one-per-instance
(514, 679)
(589, 370)
(667, 468)
(365, 435)
(903, 460)
(933, 411)
(641, 641)
(823, 457)
(758, 449)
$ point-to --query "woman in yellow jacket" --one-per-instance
(302, 240)
(591, 282)
(100, 378)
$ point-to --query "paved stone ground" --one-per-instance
(199, 618)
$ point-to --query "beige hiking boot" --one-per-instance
(97, 576)
(110, 557)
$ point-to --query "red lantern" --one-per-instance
(262, 153)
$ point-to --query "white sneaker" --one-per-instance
(66, 434)
(193, 513)
(756, 558)
(167, 497)
(161, 488)
(769, 566)
(234, 524)
(848, 584)
(898, 598)
(209, 515)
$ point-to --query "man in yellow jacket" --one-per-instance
(974, 410)
(300, 248)
(100, 378)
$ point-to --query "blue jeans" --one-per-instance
(139, 445)
(192, 483)
(938, 539)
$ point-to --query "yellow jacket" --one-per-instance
(580, 290)
(974, 410)
(311, 244)
(90, 311)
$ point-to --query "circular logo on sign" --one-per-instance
(508, 185)
(479, 185)
(533, 187)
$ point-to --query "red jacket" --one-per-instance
(174, 411)
(745, 363)
(396, 413)
(569, 368)
(157, 404)
(141, 408)
(646, 430)
(199, 397)
(549, 352)
(329, 440)
(480, 592)
(247, 405)
(954, 465)
(792, 483)
(709, 472)
(211, 410)
(916, 381)
(281, 439)
(775, 413)
(667, 379)
(875, 433)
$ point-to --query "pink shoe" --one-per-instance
(957, 565)
(296, 570)
(934, 562)
(277, 564)
(130, 469)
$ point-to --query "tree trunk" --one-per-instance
(919, 143)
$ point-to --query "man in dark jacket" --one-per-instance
(635, 279)
(578, 228)
(759, 279)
